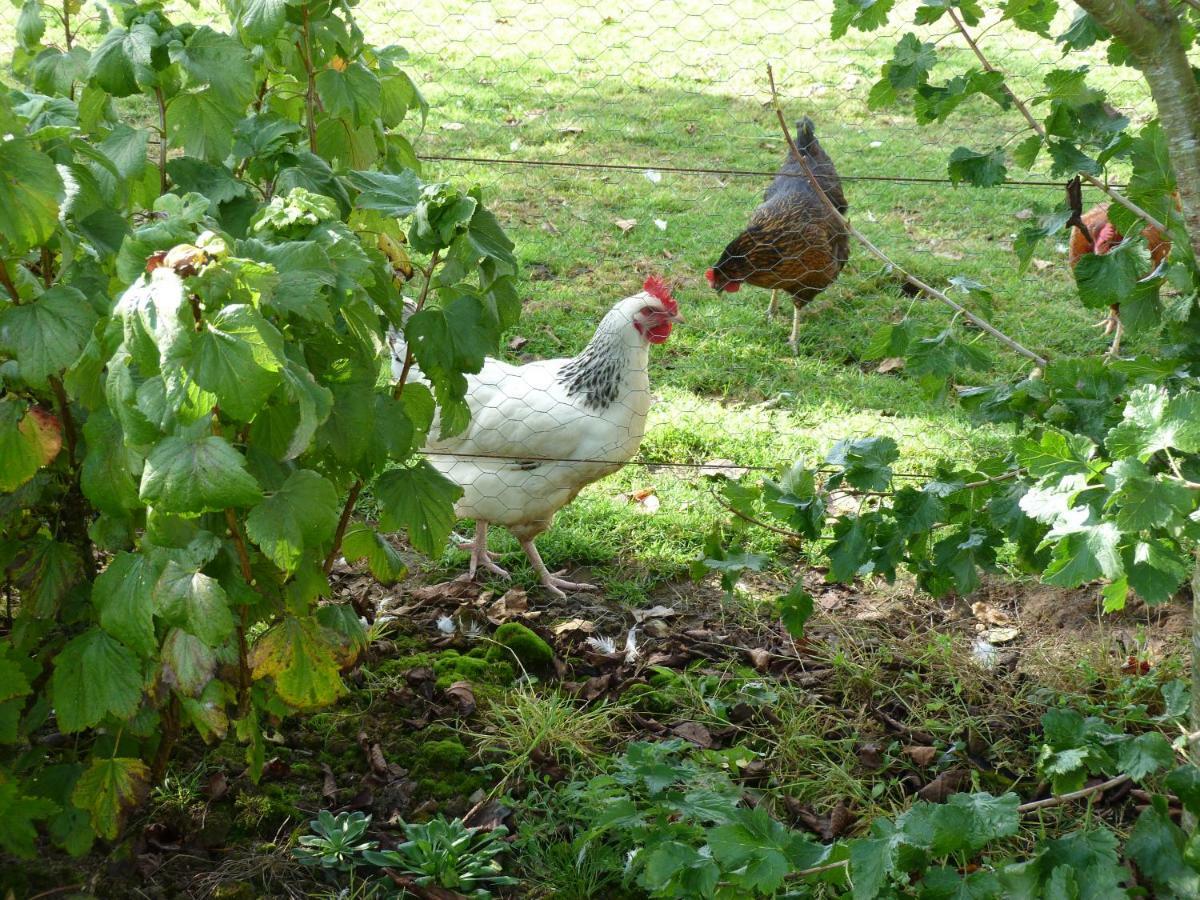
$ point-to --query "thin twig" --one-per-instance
(6, 280)
(408, 354)
(162, 139)
(1041, 131)
(1062, 799)
(879, 254)
(338, 535)
(310, 94)
(816, 870)
(759, 522)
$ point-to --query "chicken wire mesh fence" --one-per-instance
(618, 140)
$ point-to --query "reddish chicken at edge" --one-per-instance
(1106, 238)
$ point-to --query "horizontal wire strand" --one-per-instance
(687, 170)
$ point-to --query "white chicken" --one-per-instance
(542, 432)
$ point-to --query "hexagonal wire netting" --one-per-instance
(621, 139)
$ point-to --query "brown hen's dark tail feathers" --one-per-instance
(805, 134)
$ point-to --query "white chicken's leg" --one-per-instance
(553, 583)
(793, 341)
(773, 308)
(480, 554)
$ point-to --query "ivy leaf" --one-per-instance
(123, 60)
(237, 356)
(124, 595)
(300, 658)
(866, 462)
(864, 15)
(260, 20)
(30, 193)
(979, 169)
(29, 439)
(187, 662)
(109, 789)
(194, 601)
(1155, 421)
(219, 61)
(351, 93)
(911, 62)
(189, 475)
(201, 124)
(394, 195)
(1144, 755)
(1109, 278)
(18, 812)
(1032, 15)
(363, 542)
(94, 676)
(420, 499)
(794, 608)
(300, 517)
(48, 335)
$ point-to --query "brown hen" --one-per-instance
(793, 243)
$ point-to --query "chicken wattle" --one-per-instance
(541, 432)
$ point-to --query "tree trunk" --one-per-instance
(1151, 31)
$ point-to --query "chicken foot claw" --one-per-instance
(481, 555)
(555, 585)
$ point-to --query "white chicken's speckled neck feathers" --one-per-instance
(615, 350)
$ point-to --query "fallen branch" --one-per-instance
(1063, 799)
(883, 257)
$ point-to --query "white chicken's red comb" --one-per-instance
(658, 289)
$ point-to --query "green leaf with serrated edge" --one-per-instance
(94, 676)
(863, 15)
(237, 356)
(979, 169)
(218, 61)
(351, 93)
(122, 61)
(194, 474)
(194, 601)
(188, 662)
(70, 827)
(1144, 755)
(124, 595)
(363, 542)
(1157, 846)
(420, 500)
(314, 402)
(300, 658)
(1032, 15)
(201, 124)
(866, 461)
(260, 20)
(911, 62)
(107, 477)
(48, 570)
(343, 620)
(1112, 277)
(794, 608)
(299, 518)
(1155, 421)
(109, 789)
(47, 336)
(29, 439)
(18, 813)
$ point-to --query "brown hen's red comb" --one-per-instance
(658, 289)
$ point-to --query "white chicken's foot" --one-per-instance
(555, 585)
(480, 554)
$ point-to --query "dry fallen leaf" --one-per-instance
(1042, 264)
(626, 225)
(890, 364)
(517, 343)
(921, 756)
(759, 658)
(694, 732)
(989, 615)
(1001, 635)
(462, 694)
(570, 626)
(1023, 215)
(453, 126)
(515, 602)
(943, 786)
(654, 612)
(570, 129)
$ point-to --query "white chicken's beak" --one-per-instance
(676, 319)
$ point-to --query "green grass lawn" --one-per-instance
(659, 85)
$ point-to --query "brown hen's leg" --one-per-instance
(480, 554)
(793, 341)
(773, 307)
(552, 582)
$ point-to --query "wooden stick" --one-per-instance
(1062, 799)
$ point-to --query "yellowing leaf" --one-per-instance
(109, 789)
(301, 659)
